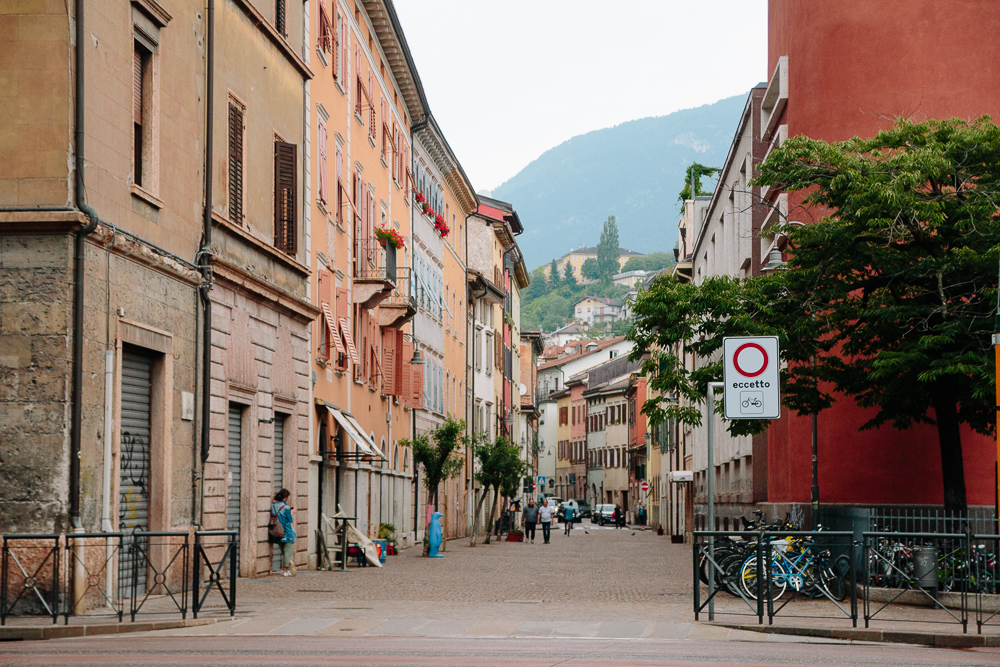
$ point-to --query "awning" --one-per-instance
(353, 428)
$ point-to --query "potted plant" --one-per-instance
(440, 225)
(389, 236)
(387, 532)
(419, 197)
(515, 535)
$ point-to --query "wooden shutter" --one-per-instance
(375, 369)
(321, 153)
(397, 369)
(345, 331)
(342, 309)
(390, 355)
(236, 120)
(372, 120)
(406, 372)
(345, 59)
(417, 387)
(136, 85)
(325, 31)
(285, 176)
(338, 165)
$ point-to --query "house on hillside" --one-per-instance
(577, 257)
(574, 331)
(592, 310)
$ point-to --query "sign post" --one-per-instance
(751, 390)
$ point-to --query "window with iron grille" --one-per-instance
(285, 178)
(280, 18)
(237, 129)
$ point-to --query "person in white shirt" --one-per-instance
(545, 518)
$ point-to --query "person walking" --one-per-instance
(641, 516)
(545, 518)
(284, 513)
(621, 516)
(618, 517)
(530, 519)
(568, 518)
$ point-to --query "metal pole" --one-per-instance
(710, 491)
(815, 453)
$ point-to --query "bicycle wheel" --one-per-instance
(748, 579)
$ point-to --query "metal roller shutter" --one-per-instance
(234, 459)
(279, 475)
(133, 489)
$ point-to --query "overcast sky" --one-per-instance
(509, 79)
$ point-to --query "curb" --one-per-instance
(63, 631)
(938, 640)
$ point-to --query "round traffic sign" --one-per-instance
(754, 359)
(644, 486)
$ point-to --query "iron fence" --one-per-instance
(219, 571)
(29, 575)
(986, 573)
(109, 573)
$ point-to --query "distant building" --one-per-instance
(564, 335)
(577, 257)
(595, 309)
(630, 278)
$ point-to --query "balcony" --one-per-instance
(374, 272)
(400, 305)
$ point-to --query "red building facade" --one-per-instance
(849, 69)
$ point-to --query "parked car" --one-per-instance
(584, 508)
(602, 514)
(580, 509)
(554, 501)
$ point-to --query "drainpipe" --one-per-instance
(205, 253)
(76, 418)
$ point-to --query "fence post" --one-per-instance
(233, 569)
(768, 574)
(196, 577)
(343, 547)
(695, 548)
(852, 562)
(760, 581)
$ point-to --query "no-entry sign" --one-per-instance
(750, 376)
(644, 486)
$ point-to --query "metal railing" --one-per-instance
(222, 570)
(30, 573)
(111, 572)
(948, 577)
(404, 293)
(373, 262)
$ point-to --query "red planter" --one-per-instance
(515, 537)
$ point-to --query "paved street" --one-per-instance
(598, 596)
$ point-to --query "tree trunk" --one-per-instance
(950, 440)
(475, 519)
(489, 524)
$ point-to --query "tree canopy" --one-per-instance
(608, 250)
(437, 453)
(694, 174)
(894, 291)
(654, 261)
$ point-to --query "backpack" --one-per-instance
(275, 531)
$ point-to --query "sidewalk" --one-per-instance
(596, 583)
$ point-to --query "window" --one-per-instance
(490, 352)
(386, 147)
(323, 189)
(563, 416)
(285, 177)
(142, 59)
(280, 18)
(237, 130)
(326, 38)
(340, 64)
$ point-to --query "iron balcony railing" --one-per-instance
(404, 293)
(373, 262)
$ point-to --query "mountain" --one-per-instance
(633, 171)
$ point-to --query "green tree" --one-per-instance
(654, 261)
(553, 281)
(590, 269)
(438, 454)
(500, 469)
(694, 173)
(569, 277)
(903, 271)
(608, 250)
(894, 292)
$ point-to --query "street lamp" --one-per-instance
(775, 262)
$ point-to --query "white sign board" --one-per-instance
(750, 376)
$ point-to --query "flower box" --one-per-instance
(515, 537)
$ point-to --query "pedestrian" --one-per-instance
(641, 515)
(621, 516)
(286, 517)
(530, 519)
(568, 518)
(545, 518)
(618, 517)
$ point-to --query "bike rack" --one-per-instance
(46, 555)
(227, 565)
(989, 572)
(114, 544)
(910, 580)
(707, 550)
(796, 568)
(159, 565)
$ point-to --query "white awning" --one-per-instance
(368, 441)
(363, 442)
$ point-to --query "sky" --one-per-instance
(509, 79)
